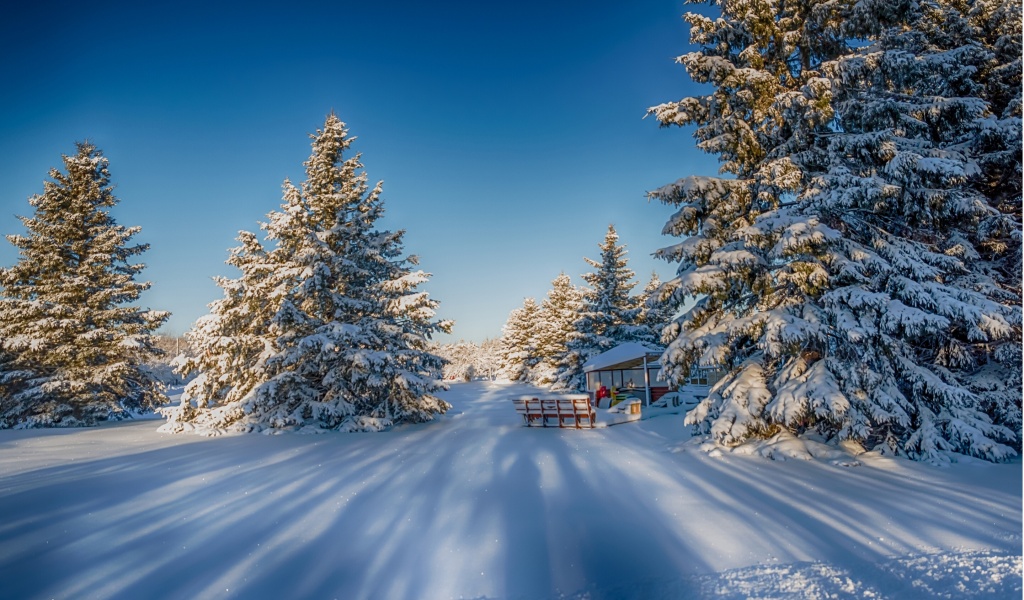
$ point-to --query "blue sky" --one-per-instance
(508, 135)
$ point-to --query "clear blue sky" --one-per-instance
(508, 135)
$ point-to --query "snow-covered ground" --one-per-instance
(475, 505)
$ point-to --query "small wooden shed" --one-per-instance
(631, 368)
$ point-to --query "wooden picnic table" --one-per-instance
(563, 410)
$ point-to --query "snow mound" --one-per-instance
(967, 576)
(784, 445)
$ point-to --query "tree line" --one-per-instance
(547, 343)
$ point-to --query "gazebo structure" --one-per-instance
(627, 368)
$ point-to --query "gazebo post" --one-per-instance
(647, 384)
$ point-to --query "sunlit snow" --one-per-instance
(474, 505)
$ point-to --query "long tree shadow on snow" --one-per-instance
(473, 505)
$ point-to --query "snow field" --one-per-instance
(476, 506)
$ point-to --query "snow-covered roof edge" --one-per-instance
(621, 354)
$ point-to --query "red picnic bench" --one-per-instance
(568, 410)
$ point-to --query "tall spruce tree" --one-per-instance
(338, 333)
(75, 345)
(518, 353)
(609, 316)
(833, 272)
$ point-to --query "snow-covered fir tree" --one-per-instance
(996, 27)
(232, 343)
(554, 328)
(518, 353)
(836, 271)
(655, 315)
(609, 315)
(917, 92)
(75, 346)
(325, 330)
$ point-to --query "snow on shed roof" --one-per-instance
(623, 356)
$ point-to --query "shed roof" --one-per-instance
(623, 356)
